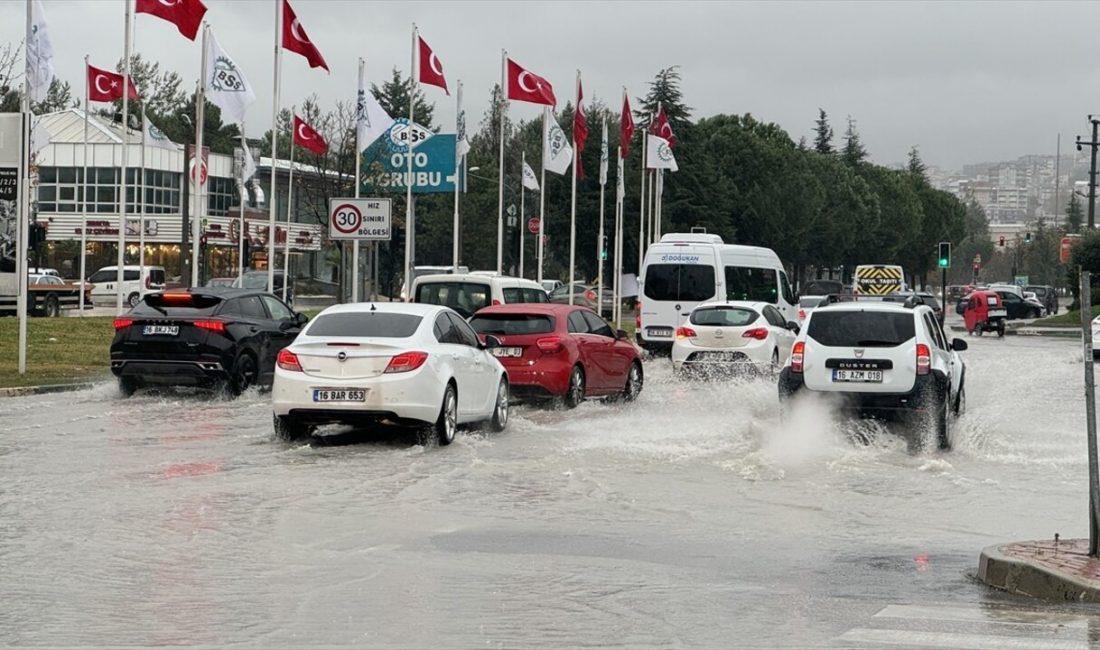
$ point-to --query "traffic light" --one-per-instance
(246, 252)
(36, 236)
(1001, 241)
(945, 255)
(603, 249)
(1027, 238)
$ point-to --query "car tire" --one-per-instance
(289, 428)
(243, 374)
(501, 411)
(574, 394)
(133, 299)
(127, 386)
(446, 425)
(53, 306)
(943, 422)
(1034, 313)
(635, 379)
(1000, 329)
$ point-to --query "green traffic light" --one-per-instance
(943, 263)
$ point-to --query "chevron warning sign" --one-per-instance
(879, 280)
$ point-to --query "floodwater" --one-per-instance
(692, 517)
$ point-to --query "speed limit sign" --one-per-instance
(366, 219)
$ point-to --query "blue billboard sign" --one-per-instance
(385, 162)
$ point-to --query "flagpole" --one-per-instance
(141, 197)
(274, 151)
(618, 291)
(641, 207)
(500, 176)
(458, 116)
(573, 199)
(289, 209)
(241, 230)
(660, 203)
(196, 180)
(410, 218)
(23, 224)
(84, 199)
(652, 205)
(125, 157)
(599, 240)
(542, 193)
(522, 205)
(358, 170)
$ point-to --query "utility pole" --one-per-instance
(1085, 289)
(1093, 144)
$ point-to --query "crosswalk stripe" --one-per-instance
(958, 641)
(984, 615)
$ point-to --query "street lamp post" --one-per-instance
(1092, 144)
(508, 186)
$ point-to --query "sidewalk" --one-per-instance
(1043, 569)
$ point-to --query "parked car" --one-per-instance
(50, 294)
(732, 336)
(402, 363)
(824, 287)
(207, 337)
(807, 304)
(137, 282)
(1045, 294)
(35, 270)
(258, 280)
(1017, 306)
(468, 292)
(562, 352)
(550, 285)
(221, 282)
(584, 295)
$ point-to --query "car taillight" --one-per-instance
(123, 323)
(801, 314)
(798, 356)
(549, 344)
(685, 333)
(287, 360)
(637, 314)
(758, 333)
(590, 295)
(496, 302)
(211, 325)
(924, 359)
(406, 362)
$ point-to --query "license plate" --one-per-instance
(161, 330)
(339, 394)
(660, 331)
(721, 357)
(997, 313)
(871, 376)
(506, 352)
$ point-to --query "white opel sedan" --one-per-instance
(394, 363)
(733, 335)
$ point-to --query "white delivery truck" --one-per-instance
(686, 269)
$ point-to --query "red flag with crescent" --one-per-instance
(104, 86)
(580, 129)
(662, 128)
(626, 126)
(526, 86)
(431, 70)
(296, 40)
(306, 137)
(186, 15)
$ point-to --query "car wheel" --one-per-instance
(1034, 313)
(244, 374)
(53, 306)
(289, 428)
(943, 421)
(500, 413)
(133, 299)
(575, 393)
(634, 381)
(447, 424)
(1000, 329)
(127, 386)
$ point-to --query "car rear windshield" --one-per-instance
(365, 324)
(463, 297)
(811, 302)
(687, 282)
(864, 329)
(723, 316)
(176, 305)
(512, 324)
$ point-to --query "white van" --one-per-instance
(468, 292)
(135, 283)
(686, 269)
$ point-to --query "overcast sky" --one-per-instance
(966, 81)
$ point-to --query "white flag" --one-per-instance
(39, 54)
(462, 141)
(557, 154)
(156, 137)
(620, 190)
(603, 156)
(529, 179)
(226, 86)
(371, 120)
(659, 153)
(248, 165)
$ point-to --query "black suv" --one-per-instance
(208, 337)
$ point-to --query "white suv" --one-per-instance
(136, 282)
(880, 359)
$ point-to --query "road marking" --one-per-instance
(958, 641)
(989, 615)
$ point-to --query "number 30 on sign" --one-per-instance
(366, 219)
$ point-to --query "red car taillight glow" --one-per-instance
(123, 323)
(801, 314)
(758, 333)
(549, 344)
(287, 360)
(798, 356)
(406, 362)
(637, 314)
(215, 326)
(924, 359)
(590, 295)
(685, 333)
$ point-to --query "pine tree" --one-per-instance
(823, 140)
(853, 153)
(58, 98)
(916, 165)
(394, 97)
(1074, 214)
(664, 91)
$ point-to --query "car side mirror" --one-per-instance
(958, 345)
(300, 319)
(621, 334)
(793, 326)
(490, 341)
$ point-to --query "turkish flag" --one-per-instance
(662, 128)
(580, 129)
(104, 86)
(527, 86)
(306, 137)
(296, 40)
(186, 15)
(431, 70)
(626, 126)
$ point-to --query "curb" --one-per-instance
(1030, 578)
(1068, 332)
(22, 391)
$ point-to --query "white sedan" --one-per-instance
(397, 363)
(729, 335)
(1096, 338)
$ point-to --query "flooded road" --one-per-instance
(692, 517)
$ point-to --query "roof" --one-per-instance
(67, 126)
(221, 292)
(540, 308)
(414, 308)
(869, 305)
(474, 276)
(752, 304)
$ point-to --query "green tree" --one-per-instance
(58, 98)
(1075, 215)
(1085, 256)
(853, 152)
(161, 91)
(393, 96)
(664, 91)
(916, 165)
(823, 138)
